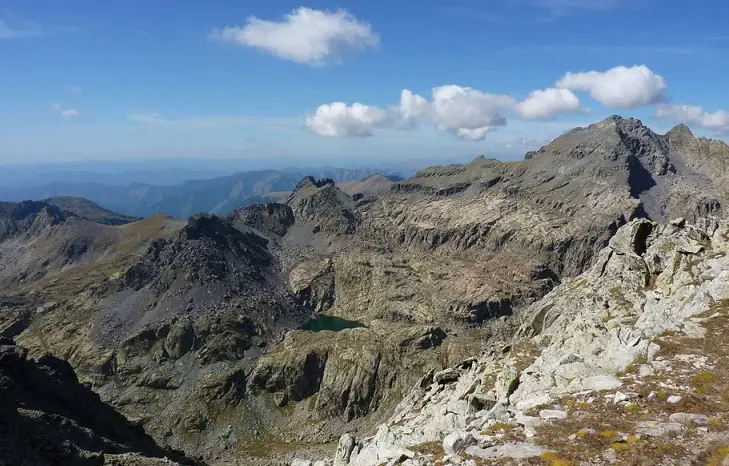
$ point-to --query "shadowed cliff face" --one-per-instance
(48, 417)
(196, 329)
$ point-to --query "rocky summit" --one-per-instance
(561, 309)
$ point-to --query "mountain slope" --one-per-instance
(48, 417)
(39, 238)
(89, 211)
(371, 186)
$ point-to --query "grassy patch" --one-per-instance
(718, 456)
(266, 446)
(632, 408)
(501, 426)
(551, 458)
(620, 446)
(717, 424)
(704, 381)
(430, 448)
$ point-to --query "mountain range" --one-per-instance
(218, 195)
(395, 321)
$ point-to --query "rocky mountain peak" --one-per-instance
(208, 249)
(680, 137)
(680, 130)
(326, 206)
(89, 210)
(271, 218)
(613, 146)
(310, 182)
(219, 231)
(16, 211)
(28, 216)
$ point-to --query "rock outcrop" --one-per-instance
(324, 205)
(605, 330)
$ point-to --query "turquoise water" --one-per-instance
(336, 324)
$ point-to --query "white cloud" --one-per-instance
(64, 112)
(340, 120)
(306, 36)
(548, 103)
(695, 115)
(467, 112)
(619, 87)
(21, 31)
(463, 111)
(478, 134)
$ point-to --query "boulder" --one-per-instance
(689, 419)
(552, 414)
(507, 450)
(456, 442)
(446, 376)
(659, 429)
(300, 462)
(344, 450)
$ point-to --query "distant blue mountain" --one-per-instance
(219, 195)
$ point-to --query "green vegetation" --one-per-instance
(620, 446)
(551, 458)
(703, 381)
(718, 457)
(499, 426)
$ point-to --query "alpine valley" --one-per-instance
(567, 308)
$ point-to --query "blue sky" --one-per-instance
(84, 79)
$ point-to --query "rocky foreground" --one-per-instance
(624, 364)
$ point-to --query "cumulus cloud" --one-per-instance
(695, 115)
(478, 134)
(468, 113)
(472, 114)
(464, 111)
(66, 113)
(341, 120)
(619, 87)
(548, 103)
(306, 36)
